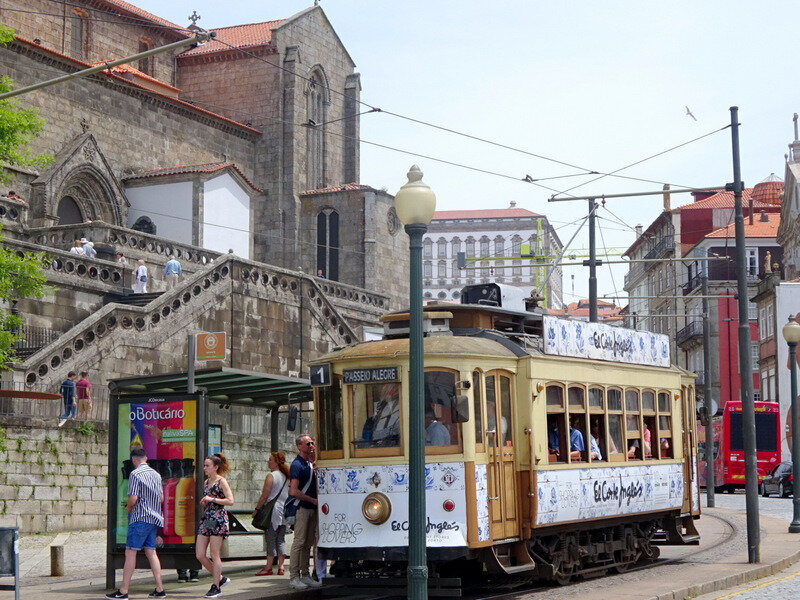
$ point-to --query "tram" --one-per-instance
(554, 448)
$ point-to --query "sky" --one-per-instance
(599, 85)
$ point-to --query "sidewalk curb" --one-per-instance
(731, 581)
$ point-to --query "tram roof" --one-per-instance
(434, 344)
(223, 385)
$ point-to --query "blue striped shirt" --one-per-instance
(145, 484)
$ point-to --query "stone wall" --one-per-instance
(107, 36)
(53, 479)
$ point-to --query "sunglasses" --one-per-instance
(310, 443)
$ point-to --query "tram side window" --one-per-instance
(664, 426)
(505, 409)
(376, 415)
(440, 394)
(597, 429)
(632, 432)
(649, 433)
(477, 406)
(329, 409)
(616, 447)
(556, 423)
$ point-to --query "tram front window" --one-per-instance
(376, 415)
(440, 395)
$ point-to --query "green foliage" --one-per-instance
(85, 428)
(18, 126)
(3, 440)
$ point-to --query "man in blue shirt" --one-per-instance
(88, 248)
(576, 443)
(68, 395)
(172, 272)
(303, 488)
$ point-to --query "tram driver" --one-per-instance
(382, 428)
(436, 433)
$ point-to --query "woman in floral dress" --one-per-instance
(214, 522)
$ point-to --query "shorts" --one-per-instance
(84, 404)
(141, 535)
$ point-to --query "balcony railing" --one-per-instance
(32, 339)
(693, 329)
(663, 246)
(25, 405)
(694, 282)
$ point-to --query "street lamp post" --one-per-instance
(415, 203)
(791, 333)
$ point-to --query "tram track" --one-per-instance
(513, 590)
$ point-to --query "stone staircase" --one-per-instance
(130, 298)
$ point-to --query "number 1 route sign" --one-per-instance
(211, 346)
(321, 375)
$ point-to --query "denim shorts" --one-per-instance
(141, 535)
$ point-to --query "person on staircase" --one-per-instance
(172, 272)
(140, 282)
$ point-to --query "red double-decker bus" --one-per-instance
(728, 444)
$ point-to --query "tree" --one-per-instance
(21, 275)
(18, 126)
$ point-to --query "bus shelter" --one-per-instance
(178, 429)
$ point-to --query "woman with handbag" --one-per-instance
(268, 514)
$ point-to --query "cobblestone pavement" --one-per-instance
(780, 508)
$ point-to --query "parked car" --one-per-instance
(778, 481)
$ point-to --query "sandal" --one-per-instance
(264, 571)
(280, 571)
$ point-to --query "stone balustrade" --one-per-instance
(133, 244)
(349, 293)
(13, 214)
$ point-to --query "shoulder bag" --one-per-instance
(263, 518)
(292, 504)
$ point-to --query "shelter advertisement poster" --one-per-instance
(167, 430)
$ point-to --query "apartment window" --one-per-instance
(427, 269)
(484, 246)
(455, 247)
(752, 312)
(752, 261)
(516, 269)
(427, 249)
(441, 248)
(762, 323)
(770, 326)
(441, 270)
(754, 355)
(516, 244)
(470, 248)
(499, 246)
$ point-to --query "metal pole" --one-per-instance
(417, 553)
(717, 188)
(202, 36)
(745, 366)
(795, 525)
(592, 262)
(707, 400)
(191, 358)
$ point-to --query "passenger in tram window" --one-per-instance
(665, 449)
(436, 434)
(577, 446)
(648, 447)
(554, 437)
(383, 427)
(491, 420)
(596, 442)
(634, 450)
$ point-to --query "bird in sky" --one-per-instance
(689, 113)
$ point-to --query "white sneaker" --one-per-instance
(298, 584)
(312, 583)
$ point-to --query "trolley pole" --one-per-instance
(745, 366)
(707, 400)
(592, 263)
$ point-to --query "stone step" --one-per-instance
(128, 297)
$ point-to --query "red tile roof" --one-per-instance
(136, 73)
(135, 11)
(252, 35)
(721, 199)
(759, 228)
(186, 169)
(490, 213)
(768, 191)
(121, 79)
(345, 187)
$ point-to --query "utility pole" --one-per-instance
(707, 400)
(745, 366)
(592, 264)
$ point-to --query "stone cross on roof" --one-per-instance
(194, 18)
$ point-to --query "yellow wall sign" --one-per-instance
(211, 346)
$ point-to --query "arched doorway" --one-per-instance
(69, 213)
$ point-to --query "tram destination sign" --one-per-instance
(376, 375)
(603, 342)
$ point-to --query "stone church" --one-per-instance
(239, 156)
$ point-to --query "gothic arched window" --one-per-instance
(145, 65)
(328, 244)
(79, 33)
(69, 213)
(315, 106)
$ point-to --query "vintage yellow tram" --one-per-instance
(554, 448)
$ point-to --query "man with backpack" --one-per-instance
(68, 395)
(303, 489)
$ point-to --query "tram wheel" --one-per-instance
(620, 568)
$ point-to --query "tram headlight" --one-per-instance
(376, 508)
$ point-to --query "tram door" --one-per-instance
(501, 475)
(689, 447)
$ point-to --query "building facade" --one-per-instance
(274, 103)
(497, 238)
